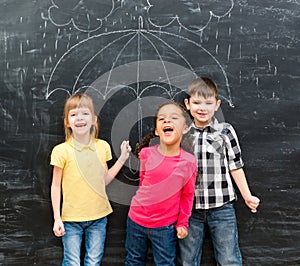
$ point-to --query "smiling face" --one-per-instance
(202, 109)
(170, 125)
(80, 120)
(203, 101)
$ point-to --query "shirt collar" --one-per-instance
(213, 126)
(79, 146)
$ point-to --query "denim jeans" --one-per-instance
(94, 233)
(162, 239)
(222, 225)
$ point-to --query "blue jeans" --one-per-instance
(163, 240)
(94, 233)
(222, 225)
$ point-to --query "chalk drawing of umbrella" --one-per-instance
(82, 64)
(105, 63)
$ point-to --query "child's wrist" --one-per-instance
(122, 160)
(248, 197)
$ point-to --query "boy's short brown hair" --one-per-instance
(203, 86)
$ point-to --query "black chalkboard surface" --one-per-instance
(129, 56)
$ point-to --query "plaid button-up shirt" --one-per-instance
(217, 150)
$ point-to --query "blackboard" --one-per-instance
(129, 56)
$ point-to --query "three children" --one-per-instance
(161, 208)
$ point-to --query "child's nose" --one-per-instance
(201, 106)
(79, 116)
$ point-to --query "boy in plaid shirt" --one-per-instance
(218, 152)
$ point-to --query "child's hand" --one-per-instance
(58, 228)
(182, 232)
(125, 151)
(252, 202)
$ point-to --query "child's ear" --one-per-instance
(185, 129)
(218, 105)
(155, 132)
(95, 119)
(187, 103)
(66, 122)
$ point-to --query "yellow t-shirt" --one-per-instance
(83, 186)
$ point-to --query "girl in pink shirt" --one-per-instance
(162, 205)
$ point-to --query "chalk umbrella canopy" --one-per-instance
(100, 59)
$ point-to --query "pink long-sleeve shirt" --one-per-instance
(166, 191)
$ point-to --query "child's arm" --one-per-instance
(186, 202)
(240, 179)
(58, 227)
(113, 171)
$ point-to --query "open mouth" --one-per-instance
(80, 125)
(168, 129)
(202, 114)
